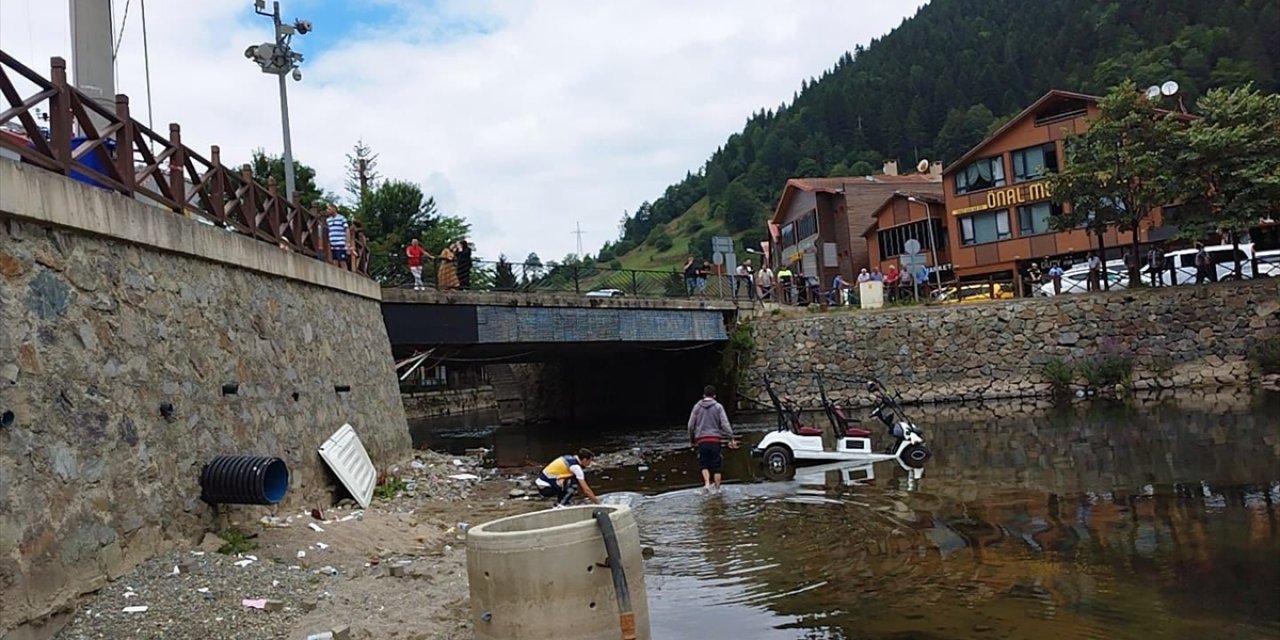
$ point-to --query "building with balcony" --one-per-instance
(998, 205)
(910, 215)
(819, 225)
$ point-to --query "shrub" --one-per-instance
(1108, 371)
(1266, 355)
(389, 488)
(237, 541)
(1060, 373)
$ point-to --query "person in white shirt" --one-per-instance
(764, 282)
(744, 280)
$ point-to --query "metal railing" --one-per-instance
(587, 279)
(119, 153)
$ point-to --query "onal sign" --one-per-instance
(911, 246)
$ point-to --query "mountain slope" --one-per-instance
(937, 84)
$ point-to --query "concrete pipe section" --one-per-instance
(548, 575)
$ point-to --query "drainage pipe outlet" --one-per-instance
(244, 480)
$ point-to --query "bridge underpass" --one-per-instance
(564, 357)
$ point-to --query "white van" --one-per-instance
(1221, 256)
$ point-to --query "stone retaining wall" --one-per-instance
(1175, 337)
(429, 404)
(99, 337)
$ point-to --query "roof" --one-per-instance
(849, 185)
(931, 197)
(1054, 94)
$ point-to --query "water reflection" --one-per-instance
(1095, 521)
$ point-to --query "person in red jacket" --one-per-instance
(416, 253)
(708, 427)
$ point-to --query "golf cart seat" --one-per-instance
(854, 432)
(808, 431)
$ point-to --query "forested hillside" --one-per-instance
(938, 84)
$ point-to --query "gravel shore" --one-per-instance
(394, 570)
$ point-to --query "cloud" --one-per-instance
(525, 117)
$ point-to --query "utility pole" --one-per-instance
(579, 232)
(278, 59)
(91, 54)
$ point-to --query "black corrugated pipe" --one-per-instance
(626, 617)
(244, 480)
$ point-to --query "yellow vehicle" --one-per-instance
(976, 292)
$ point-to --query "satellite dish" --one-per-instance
(1153, 92)
(923, 166)
(1169, 88)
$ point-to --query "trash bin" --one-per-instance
(94, 161)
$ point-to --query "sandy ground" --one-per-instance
(347, 581)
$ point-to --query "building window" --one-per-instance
(807, 226)
(1035, 162)
(1033, 219)
(981, 228)
(892, 241)
(788, 235)
(980, 174)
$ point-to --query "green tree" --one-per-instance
(1228, 165)
(504, 278)
(265, 167)
(742, 210)
(397, 212)
(1118, 170)
(717, 181)
(963, 129)
(659, 239)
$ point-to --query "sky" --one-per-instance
(524, 117)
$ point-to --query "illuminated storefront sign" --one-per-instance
(1000, 198)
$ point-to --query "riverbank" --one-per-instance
(396, 569)
(1179, 337)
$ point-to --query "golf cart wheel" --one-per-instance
(915, 455)
(778, 463)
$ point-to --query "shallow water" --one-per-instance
(1086, 521)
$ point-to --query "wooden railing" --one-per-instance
(119, 153)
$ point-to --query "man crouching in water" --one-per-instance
(708, 425)
(564, 476)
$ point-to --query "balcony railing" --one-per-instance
(118, 153)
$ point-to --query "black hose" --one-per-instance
(626, 618)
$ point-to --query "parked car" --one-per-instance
(606, 293)
(1076, 280)
(974, 292)
(1223, 259)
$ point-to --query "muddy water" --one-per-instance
(1154, 520)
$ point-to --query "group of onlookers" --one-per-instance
(453, 270)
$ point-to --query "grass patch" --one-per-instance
(389, 488)
(1060, 373)
(1266, 355)
(237, 541)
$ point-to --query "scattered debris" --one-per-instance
(302, 554)
(464, 476)
(135, 609)
(321, 546)
(315, 527)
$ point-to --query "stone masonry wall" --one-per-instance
(429, 404)
(1176, 337)
(96, 334)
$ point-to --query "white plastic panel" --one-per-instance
(345, 454)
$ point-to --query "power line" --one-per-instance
(578, 233)
(123, 21)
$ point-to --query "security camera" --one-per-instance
(297, 75)
(303, 26)
(260, 5)
(251, 51)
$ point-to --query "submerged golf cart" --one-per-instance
(795, 444)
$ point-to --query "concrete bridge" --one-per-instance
(565, 356)
(534, 326)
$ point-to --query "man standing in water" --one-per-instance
(708, 427)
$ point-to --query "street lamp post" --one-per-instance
(278, 59)
(933, 246)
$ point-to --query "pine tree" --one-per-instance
(361, 160)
